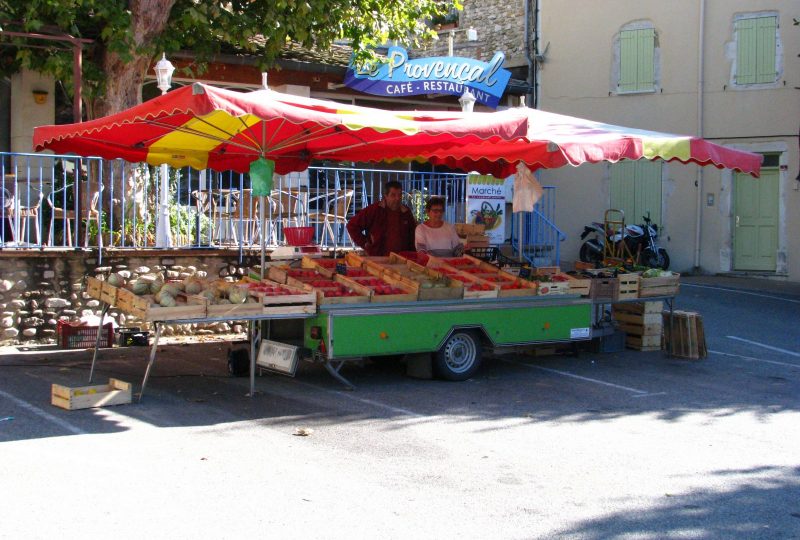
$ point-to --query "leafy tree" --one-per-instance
(128, 35)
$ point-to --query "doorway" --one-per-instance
(756, 218)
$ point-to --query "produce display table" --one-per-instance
(252, 333)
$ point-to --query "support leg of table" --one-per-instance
(251, 336)
(152, 359)
(97, 341)
(668, 342)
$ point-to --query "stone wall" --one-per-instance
(38, 289)
(500, 25)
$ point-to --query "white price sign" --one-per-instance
(277, 356)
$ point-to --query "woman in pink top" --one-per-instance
(435, 236)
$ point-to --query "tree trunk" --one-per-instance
(124, 78)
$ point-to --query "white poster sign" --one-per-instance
(486, 204)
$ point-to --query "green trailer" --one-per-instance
(455, 331)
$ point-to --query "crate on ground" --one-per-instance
(685, 336)
(659, 286)
(116, 392)
(132, 336)
(642, 322)
(78, 336)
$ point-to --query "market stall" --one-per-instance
(383, 312)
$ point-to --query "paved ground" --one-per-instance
(624, 445)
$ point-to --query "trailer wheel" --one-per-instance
(460, 356)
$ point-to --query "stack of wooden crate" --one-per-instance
(642, 322)
(687, 338)
(473, 234)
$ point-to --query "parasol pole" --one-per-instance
(261, 229)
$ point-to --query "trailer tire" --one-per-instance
(460, 356)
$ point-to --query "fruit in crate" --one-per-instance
(303, 273)
(323, 283)
(355, 271)
(388, 289)
(338, 292)
(459, 261)
(480, 287)
(269, 290)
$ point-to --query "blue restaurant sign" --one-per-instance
(399, 76)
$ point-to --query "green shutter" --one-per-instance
(636, 60)
(646, 41)
(627, 61)
(756, 50)
(766, 50)
(636, 189)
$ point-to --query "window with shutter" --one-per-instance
(637, 60)
(636, 190)
(756, 50)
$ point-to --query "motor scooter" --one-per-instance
(639, 239)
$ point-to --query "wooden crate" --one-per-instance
(410, 293)
(642, 322)
(471, 282)
(468, 229)
(546, 288)
(132, 304)
(108, 293)
(687, 337)
(659, 286)
(116, 392)
(643, 343)
(546, 270)
(604, 289)
(93, 287)
(581, 286)
(420, 275)
(395, 279)
(639, 308)
(580, 265)
(628, 287)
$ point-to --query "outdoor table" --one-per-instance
(253, 336)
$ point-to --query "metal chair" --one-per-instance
(21, 215)
(60, 210)
(245, 218)
(336, 214)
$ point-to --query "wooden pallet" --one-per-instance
(116, 392)
(687, 337)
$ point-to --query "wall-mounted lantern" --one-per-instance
(40, 97)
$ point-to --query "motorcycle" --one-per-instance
(639, 239)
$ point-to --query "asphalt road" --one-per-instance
(624, 445)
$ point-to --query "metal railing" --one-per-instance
(65, 201)
(541, 238)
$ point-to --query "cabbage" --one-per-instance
(237, 295)
(171, 289)
(193, 286)
(116, 280)
(156, 285)
(140, 287)
(167, 300)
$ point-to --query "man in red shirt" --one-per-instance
(384, 226)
